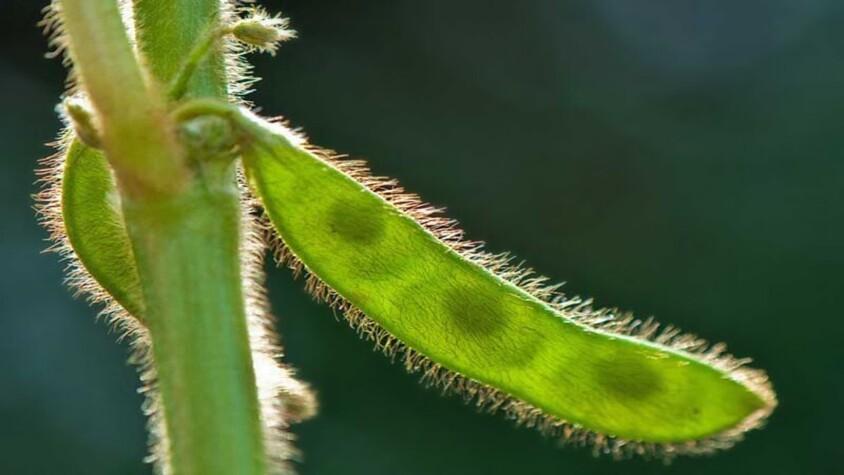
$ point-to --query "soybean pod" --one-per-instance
(474, 324)
(95, 229)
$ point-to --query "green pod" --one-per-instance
(94, 225)
(488, 330)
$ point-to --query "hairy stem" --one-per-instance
(187, 257)
(187, 252)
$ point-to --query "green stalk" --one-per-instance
(195, 59)
(188, 256)
(186, 235)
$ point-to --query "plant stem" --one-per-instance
(136, 135)
(188, 258)
(182, 214)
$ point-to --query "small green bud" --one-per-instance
(261, 31)
(255, 33)
(82, 120)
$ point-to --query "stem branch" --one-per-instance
(179, 86)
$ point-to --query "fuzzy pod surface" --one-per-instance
(473, 323)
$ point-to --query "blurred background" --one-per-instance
(677, 158)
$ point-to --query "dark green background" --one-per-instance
(676, 158)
